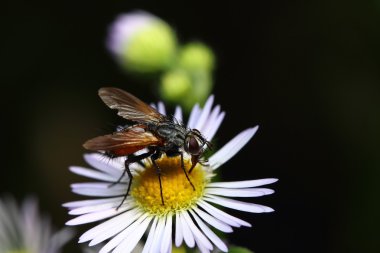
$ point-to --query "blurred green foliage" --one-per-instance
(236, 249)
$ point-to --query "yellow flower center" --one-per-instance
(178, 194)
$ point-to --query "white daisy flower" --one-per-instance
(187, 214)
(23, 230)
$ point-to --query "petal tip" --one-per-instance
(70, 223)
(269, 210)
(254, 129)
(273, 180)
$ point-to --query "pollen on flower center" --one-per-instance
(178, 194)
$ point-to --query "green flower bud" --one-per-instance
(142, 43)
(175, 85)
(186, 88)
(202, 83)
(196, 56)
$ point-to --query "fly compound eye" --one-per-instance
(192, 145)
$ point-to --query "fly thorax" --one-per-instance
(172, 133)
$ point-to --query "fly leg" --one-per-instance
(176, 153)
(184, 170)
(154, 157)
(130, 159)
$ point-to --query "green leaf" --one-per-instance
(237, 249)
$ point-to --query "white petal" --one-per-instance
(218, 224)
(178, 231)
(91, 217)
(60, 238)
(100, 207)
(105, 164)
(252, 192)
(116, 228)
(243, 184)
(161, 108)
(223, 216)
(194, 115)
(178, 114)
(231, 148)
(128, 216)
(208, 232)
(205, 113)
(202, 239)
(211, 120)
(167, 235)
(156, 244)
(187, 235)
(10, 220)
(99, 192)
(90, 173)
(102, 188)
(211, 131)
(97, 185)
(91, 202)
(239, 205)
(201, 247)
(149, 240)
(123, 235)
(129, 243)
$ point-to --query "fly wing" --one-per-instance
(130, 107)
(123, 143)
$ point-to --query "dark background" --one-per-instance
(306, 71)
